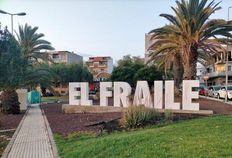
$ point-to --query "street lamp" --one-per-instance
(227, 58)
(19, 14)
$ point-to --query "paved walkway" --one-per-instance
(32, 138)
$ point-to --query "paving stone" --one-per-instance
(32, 140)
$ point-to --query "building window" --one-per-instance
(229, 68)
(229, 56)
(55, 56)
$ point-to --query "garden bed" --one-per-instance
(66, 124)
(8, 125)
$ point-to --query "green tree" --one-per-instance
(191, 30)
(32, 43)
(12, 69)
(126, 69)
(70, 73)
(149, 74)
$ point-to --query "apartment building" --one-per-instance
(100, 67)
(65, 57)
(201, 72)
(217, 70)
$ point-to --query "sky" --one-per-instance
(94, 27)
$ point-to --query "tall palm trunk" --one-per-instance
(190, 63)
(9, 101)
(177, 73)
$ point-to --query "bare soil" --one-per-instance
(5, 138)
(65, 124)
(8, 122)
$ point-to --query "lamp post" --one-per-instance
(12, 22)
(227, 50)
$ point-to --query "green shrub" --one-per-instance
(137, 116)
(9, 101)
(168, 116)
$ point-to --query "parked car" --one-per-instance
(213, 91)
(222, 92)
(203, 90)
(49, 94)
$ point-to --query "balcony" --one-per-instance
(102, 65)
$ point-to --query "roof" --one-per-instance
(103, 75)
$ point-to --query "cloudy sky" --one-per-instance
(94, 27)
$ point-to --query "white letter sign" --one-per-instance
(122, 90)
(169, 96)
(142, 94)
(105, 93)
(158, 94)
(188, 95)
(74, 93)
(85, 94)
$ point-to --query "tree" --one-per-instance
(171, 61)
(70, 73)
(126, 70)
(32, 44)
(131, 69)
(190, 31)
(12, 68)
(149, 74)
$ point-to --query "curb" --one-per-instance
(215, 99)
(10, 144)
(50, 135)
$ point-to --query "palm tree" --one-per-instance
(167, 59)
(191, 31)
(32, 44)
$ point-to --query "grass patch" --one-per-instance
(54, 99)
(205, 137)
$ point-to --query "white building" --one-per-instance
(65, 57)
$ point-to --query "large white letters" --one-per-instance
(105, 93)
(79, 90)
(79, 94)
(188, 95)
(122, 90)
(169, 96)
(85, 94)
(158, 94)
(142, 94)
(74, 93)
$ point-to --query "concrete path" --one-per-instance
(32, 138)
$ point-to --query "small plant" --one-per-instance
(137, 116)
(168, 116)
